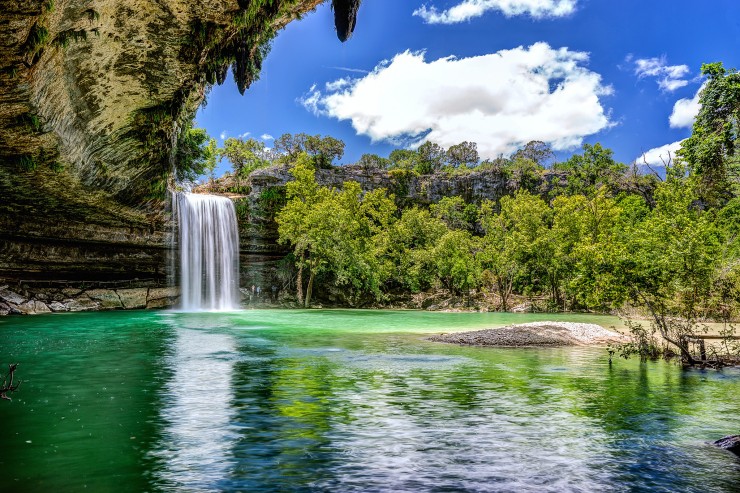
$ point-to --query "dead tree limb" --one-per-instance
(8, 386)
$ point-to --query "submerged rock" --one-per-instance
(731, 443)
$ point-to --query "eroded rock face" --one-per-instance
(80, 78)
(34, 301)
(92, 94)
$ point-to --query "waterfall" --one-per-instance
(209, 252)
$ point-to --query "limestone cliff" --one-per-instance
(93, 94)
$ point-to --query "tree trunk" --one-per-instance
(299, 280)
(681, 343)
(309, 289)
(502, 292)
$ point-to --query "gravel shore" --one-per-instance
(539, 334)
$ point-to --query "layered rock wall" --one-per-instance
(33, 300)
(93, 94)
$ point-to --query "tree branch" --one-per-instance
(9, 387)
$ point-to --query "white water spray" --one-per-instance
(209, 252)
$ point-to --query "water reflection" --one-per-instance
(222, 402)
(194, 451)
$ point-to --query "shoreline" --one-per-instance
(535, 334)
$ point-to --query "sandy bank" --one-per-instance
(540, 334)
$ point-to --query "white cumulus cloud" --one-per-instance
(660, 156)
(469, 9)
(685, 111)
(223, 135)
(244, 135)
(267, 137)
(670, 77)
(500, 100)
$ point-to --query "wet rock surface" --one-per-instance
(730, 443)
(56, 300)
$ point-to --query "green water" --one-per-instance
(347, 401)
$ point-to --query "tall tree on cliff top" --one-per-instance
(322, 150)
(463, 154)
(711, 151)
(245, 155)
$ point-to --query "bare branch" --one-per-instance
(8, 386)
(644, 160)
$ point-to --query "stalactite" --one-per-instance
(345, 17)
(221, 73)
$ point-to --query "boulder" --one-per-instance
(10, 297)
(33, 308)
(82, 305)
(731, 443)
(162, 297)
(71, 292)
(107, 297)
(55, 306)
(4, 309)
(133, 298)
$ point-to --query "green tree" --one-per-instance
(455, 260)
(537, 151)
(525, 173)
(297, 223)
(455, 213)
(431, 158)
(588, 171)
(322, 150)
(245, 156)
(372, 161)
(498, 257)
(669, 262)
(711, 151)
(211, 158)
(464, 154)
(403, 159)
(334, 232)
(406, 248)
(526, 219)
(193, 155)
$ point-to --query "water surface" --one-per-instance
(343, 400)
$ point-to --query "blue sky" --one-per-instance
(498, 72)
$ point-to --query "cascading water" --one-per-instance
(209, 252)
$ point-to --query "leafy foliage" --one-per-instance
(711, 151)
(245, 155)
(321, 150)
(195, 154)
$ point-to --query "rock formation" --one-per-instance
(93, 95)
(731, 443)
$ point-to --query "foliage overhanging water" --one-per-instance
(347, 401)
